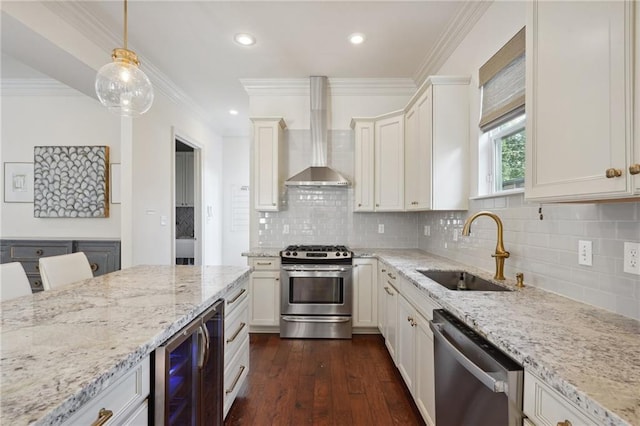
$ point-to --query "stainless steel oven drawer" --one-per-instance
(316, 327)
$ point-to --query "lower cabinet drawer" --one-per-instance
(235, 374)
(140, 417)
(33, 250)
(235, 298)
(236, 330)
(547, 407)
(123, 399)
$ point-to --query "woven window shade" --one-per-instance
(502, 79)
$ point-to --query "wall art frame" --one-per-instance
(71, 181)
(18, 182)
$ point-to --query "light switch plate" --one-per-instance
(632, 258)
(427, 230)
(381, 228)
(585, 253)
(285, 229)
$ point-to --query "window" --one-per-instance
(508, 141)
(501, 146)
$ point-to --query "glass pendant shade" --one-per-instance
(122, 87)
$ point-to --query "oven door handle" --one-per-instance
(485, 378)
(316, 319)
(321, 269)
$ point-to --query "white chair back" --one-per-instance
(65, 269)
(13, 281)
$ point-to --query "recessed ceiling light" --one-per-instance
(245, 39)
(356, 38)
(233, 112)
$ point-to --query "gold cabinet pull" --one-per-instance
(391, 276)
(237, 296)
(613, 173)
(565, 423)
(235, 381)
(634, 169)
(94, 267)
(383, 270)
(389, 292)
(103, 416)
(264, 263)
(232, 338)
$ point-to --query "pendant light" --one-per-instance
(121, 85)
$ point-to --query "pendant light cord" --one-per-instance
(125, 24)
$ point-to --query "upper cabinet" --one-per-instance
(437, 146)
(579, 101)
(416, 158)
(363, 185)
(184, 179)
(268, 173)
(389, 163)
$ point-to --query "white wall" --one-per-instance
(235, 170)
(145, 145)
(70, 119)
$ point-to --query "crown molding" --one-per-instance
(467, 16)
(337, 86)
(77, 15)
(36, 87)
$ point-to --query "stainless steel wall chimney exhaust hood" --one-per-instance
(318, 174)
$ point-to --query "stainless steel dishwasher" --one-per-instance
(475, 383)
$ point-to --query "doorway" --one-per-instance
(187, 202)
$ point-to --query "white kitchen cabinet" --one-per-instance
(547, 407)
(406, 350)
(364, 182)
(578, 101)
(236, 343)
(437, 144)
(264, 289)
(424, 391)
(184, 179)
(268, 167)
(382, 276)
(633, 168)
(120, 401)
(365, 293)
(389, 163)
(389, 286)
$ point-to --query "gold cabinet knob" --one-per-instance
(613, 173)
(359, 204)
(634, 169)
(565, 423)
(94, 267)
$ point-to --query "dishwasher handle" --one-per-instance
(485, 378)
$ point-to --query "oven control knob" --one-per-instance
(288, 253)
(295, 253)
(337, 254)
(345, 254)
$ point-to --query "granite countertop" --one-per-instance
(263, 252)
(591, 356)
(60, 348)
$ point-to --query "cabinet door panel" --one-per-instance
(406, 342)
(265, 298)
(365, 301)
(389, 135)
(364, 167)
(424, 388)
(578, 75)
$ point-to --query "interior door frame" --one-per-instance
(198, 231)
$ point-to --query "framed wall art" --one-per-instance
(18, 182)
(71, 181)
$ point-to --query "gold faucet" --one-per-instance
(501, 254)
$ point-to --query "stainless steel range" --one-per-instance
(316, 292)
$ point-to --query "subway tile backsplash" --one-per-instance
(546, 250)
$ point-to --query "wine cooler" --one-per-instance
(189, 370)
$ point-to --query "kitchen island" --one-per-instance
(589, 355)
(62, 347)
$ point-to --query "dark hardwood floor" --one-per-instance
(322, 382)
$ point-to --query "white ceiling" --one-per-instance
(188, 47)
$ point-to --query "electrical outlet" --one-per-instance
(427, 230)
(585, 253)
(632, 258)
(381, 228)
(455, 234)
(285, 229)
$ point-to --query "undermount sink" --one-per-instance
(462, 281)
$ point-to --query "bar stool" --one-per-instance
(13, 281)
(65, 269)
